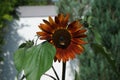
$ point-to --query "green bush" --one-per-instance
(34, 2)
(105, 19)
(101, 59)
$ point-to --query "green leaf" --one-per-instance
(19, 58)
(35, 61)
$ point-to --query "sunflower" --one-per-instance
(67, 38)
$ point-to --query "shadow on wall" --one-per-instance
(12, 39)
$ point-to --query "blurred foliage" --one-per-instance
(34, 2)
(101, 59)
(105, 20)
(74, 7)
(7, 13)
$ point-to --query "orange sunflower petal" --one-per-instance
(56, 20)
(46, 38)
(81, 49)
(46, 28)
(69, 53)
(79, 36)
(79, 31)
(53, 25)
(64, 54)
(78, 41)
(74, 26)
(58, 54)
(60, 18)
(51, 20)
(77, 49)
(46, 22)
(55, 59)
(66, 20)
(42, 33)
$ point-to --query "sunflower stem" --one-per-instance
(63, 70)
(55, 73)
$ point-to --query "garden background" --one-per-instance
(101, 59)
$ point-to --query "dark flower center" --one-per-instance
(61, 38)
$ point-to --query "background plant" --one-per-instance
(100, 17)
(34, 2)
(7, 14)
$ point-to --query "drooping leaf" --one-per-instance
(36, 60)
(97, 36)
(100, 49)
